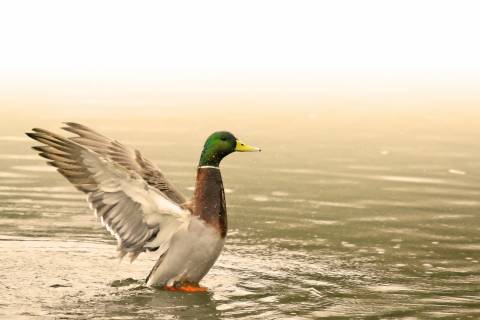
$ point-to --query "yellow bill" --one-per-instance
(243, 147)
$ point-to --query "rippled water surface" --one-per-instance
(340, 217)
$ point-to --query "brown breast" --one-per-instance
(209, 199)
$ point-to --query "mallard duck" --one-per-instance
(137, 204)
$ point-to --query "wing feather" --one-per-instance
(139, 215)
(131, 160)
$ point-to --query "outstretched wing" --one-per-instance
(131, 160)
(138, 214)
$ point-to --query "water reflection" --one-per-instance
(140, 302)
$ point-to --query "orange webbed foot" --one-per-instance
(170, 288)
(190, 288)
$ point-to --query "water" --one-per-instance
(343, 215)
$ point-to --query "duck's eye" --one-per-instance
(223, 139)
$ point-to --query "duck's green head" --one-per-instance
(219, 145)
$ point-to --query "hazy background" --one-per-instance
(251, 54)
